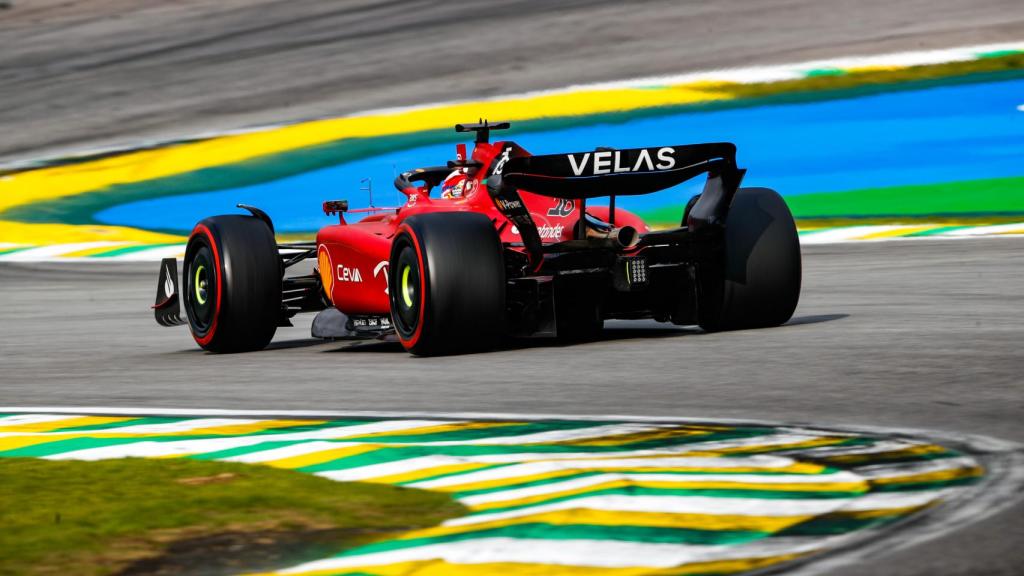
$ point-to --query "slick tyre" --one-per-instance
(232, 277)
(756, 281)
(447, 284)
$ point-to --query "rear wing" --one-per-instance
(609, 172)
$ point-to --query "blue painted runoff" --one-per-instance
(943, 134)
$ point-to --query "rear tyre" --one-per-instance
(756, 283)
(232, 277)
(447, 284)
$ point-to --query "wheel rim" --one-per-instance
(406, 298)
(202, 287)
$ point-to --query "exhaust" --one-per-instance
(622, 237)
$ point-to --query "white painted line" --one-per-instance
(49, 252)
(720, 505)
(767, 463)
(846, 234)
(591, 553)
(149, 255)
(516, 493)
(1016, 228)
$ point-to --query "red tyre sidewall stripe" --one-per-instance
(415, 338)
(202, 229)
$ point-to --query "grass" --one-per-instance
(93, 518)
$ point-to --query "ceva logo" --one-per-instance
(349, 274)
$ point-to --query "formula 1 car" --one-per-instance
(511, 248)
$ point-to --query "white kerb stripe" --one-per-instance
(776, 507)
(559, 435)
(531, 468)
(844, 477)
(289, 451)
(593, 553)
(181, 426)
(389, 468)
(19, 419)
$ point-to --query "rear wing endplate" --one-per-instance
(610, 172)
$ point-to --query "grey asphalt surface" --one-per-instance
(921, 334)
(77, 73)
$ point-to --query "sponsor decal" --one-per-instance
(371, 322)
(546, 231)
(550, 232)
(168, 282)
(501, 162)
(507, 205)
(323, 261)
(346, 274)
(562, 208)
(611, 162)
(382, 268)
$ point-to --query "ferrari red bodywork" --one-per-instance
(353, 258)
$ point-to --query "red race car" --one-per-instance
(511, 248)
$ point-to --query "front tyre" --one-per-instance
(447, 284)
(232, 277)
(755, 283)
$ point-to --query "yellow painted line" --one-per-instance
(861, 487)
(98, 250)
(858, 458)
(879, 513)
(875, 68)
(439, 567)
(634, 437)
(435, 429)
(322, 456)
(244, 429)
(68, 180)
(759, 448)
(48, 234)
(937, 476)
(769, 524)
(795, 468)
(426, 473)
(69, 422)
(897, 232)
(21, 441)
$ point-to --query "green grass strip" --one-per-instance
(92, 518)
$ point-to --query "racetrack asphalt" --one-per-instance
(114, 72)
(916, 334)
(920, 334)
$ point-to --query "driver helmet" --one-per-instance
(456, 184)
